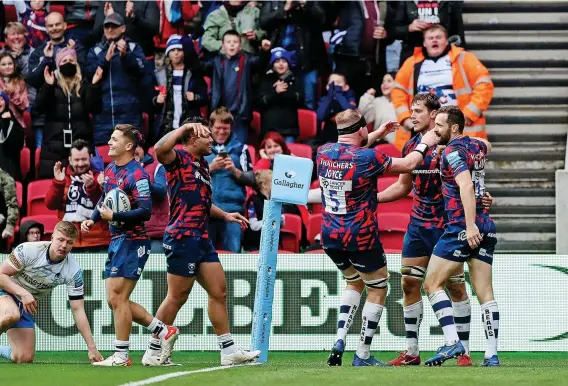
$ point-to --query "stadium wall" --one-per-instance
(531, 291)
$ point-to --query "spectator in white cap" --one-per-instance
(182, 91)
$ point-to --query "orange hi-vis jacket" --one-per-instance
(471, 83)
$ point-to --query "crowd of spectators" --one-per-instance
(71, 71)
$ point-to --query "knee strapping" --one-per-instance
(414, 271)
(353, 278)
(457, 279)
(377, 283)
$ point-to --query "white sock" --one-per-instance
(371, 316)
(412, 319)
(443, 309)
(490, 320)
(158, 327)
(155, 346)
(121, 348)
(462, 319)
(348, 307)
(226, 344)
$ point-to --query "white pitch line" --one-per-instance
(164, 377)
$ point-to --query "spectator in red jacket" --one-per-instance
(74, 193)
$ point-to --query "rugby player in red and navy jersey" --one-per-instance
(190, 253)
(348, 180)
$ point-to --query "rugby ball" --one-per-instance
(117, 201)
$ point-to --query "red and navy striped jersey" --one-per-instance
(134, 181)
(461, 154)
(189, 190)
(428, 202)
(348, 181)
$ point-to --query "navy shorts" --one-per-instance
(26, 320)
(363, 261)
(127, 258)
(420, 241)
(453, 244)
(184, 256)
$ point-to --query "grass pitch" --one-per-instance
(290, 368)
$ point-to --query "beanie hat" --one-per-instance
(280, 53)
(6, 98)
(174, 41)
(63, 53)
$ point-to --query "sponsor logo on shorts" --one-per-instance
(141, 251)
(168, 247)
(493, 235)
(191, 267)
(113, 271)
(462, 236)
(139, 271)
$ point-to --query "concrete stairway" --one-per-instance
(525, 46)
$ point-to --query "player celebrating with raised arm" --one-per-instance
(470, 235)
(130, 246)
(189, 252)
(32, 271)
(425, 228)
(348, 179)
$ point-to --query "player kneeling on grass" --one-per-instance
(190, 253)
(31, 271)
(348, 180)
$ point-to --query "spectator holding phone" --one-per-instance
(228, 163)
(66, 99)
(281, 94)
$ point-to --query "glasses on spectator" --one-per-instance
(34, 233)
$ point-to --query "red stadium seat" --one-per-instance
(316, 208)
(225, 252)
(145, 125)
(404, 205)
(316, 251)
(308, 122)
(291, 233)
(392, 227)
(25, 162)
(36, 195)
(10, 12)
(208, 83)
(151, 151)
(300, 150)
(314, 227)
(20, 194)
(385, 181)
(48, 220)
(389, 149)
(253, 153)
(36, 161)
(103, 152)
(255, 123)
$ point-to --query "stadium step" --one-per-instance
(525, 47)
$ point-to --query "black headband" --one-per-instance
(353, 128)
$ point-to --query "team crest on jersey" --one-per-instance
(141, 251)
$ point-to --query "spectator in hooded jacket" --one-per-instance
(231, 86)
(281, 94)
(66, 99)
(183, 90)
(74, 192)
(8, 208)
(233, 15)
(122, 61)
(31, 231)
(17, 46)
(297, 27)
(228, 160)
(12, 83)
(11, 139)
